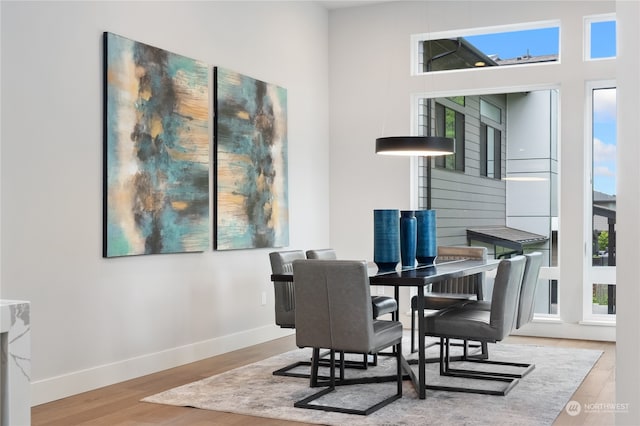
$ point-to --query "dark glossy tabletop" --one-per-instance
(419, 275)
(422, 275)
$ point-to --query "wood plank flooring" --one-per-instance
(119, 404)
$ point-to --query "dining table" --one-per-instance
(419, 277)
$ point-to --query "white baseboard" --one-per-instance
(562, 330)
(65, 385)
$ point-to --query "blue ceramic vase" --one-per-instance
(426, 247)
(408, 228)
(386, 239)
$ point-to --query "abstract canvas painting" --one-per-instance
(252, 209)
(156, 150)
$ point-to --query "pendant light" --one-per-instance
(417, 146)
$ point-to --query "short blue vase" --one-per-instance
(386, 239)
(426, 245)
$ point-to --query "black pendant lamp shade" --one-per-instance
(418, 146)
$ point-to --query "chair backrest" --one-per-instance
(528, 290)
(322, 254)
(506, 290)
(282, 262)
(333, 305)
(471, 284)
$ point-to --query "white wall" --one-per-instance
(628, 210)
(97, 321)
(371, 83)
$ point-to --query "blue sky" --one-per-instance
(507, 45)
(603, 45)
(604, 140)
(546, 41)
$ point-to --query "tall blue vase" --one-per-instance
(408, 228)
(426, 244)
(386, 239)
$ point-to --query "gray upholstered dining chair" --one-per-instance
(381, 304)
(282, 262)
(526, 297)
(480, 325)
(528, 291)
(456, 290)
(285, 307)
(333, 311)
(524, 313)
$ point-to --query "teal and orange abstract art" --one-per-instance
(252, 208)
(156, 151)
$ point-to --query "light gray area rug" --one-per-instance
(536, 400)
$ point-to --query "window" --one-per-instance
(490, 111)
(473, 49)
(600, 37)
(490, 152)
(450, 124)
(509, 178)
(600, 296)
(491, 128)
(448, 121)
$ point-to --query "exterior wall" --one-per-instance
(464, 200)
(627, 213)
(531, 154)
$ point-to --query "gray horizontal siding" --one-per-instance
(466, 200)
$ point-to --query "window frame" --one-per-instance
(443, 162)
(498, 126)
(591, 19)
(417, 63)
(497, 151)
(551, 273)
(598, 274)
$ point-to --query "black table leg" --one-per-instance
(396, 295)
(421, 352)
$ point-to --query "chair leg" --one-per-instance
(331, 387)
(398, 349)
(527, 368)
(413, 330)
(447, 371)
(482, 359)
(315, 362)
(482, 355)
(285, 371)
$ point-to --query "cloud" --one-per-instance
(603, 171)
(603, 152)
(604, 104)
